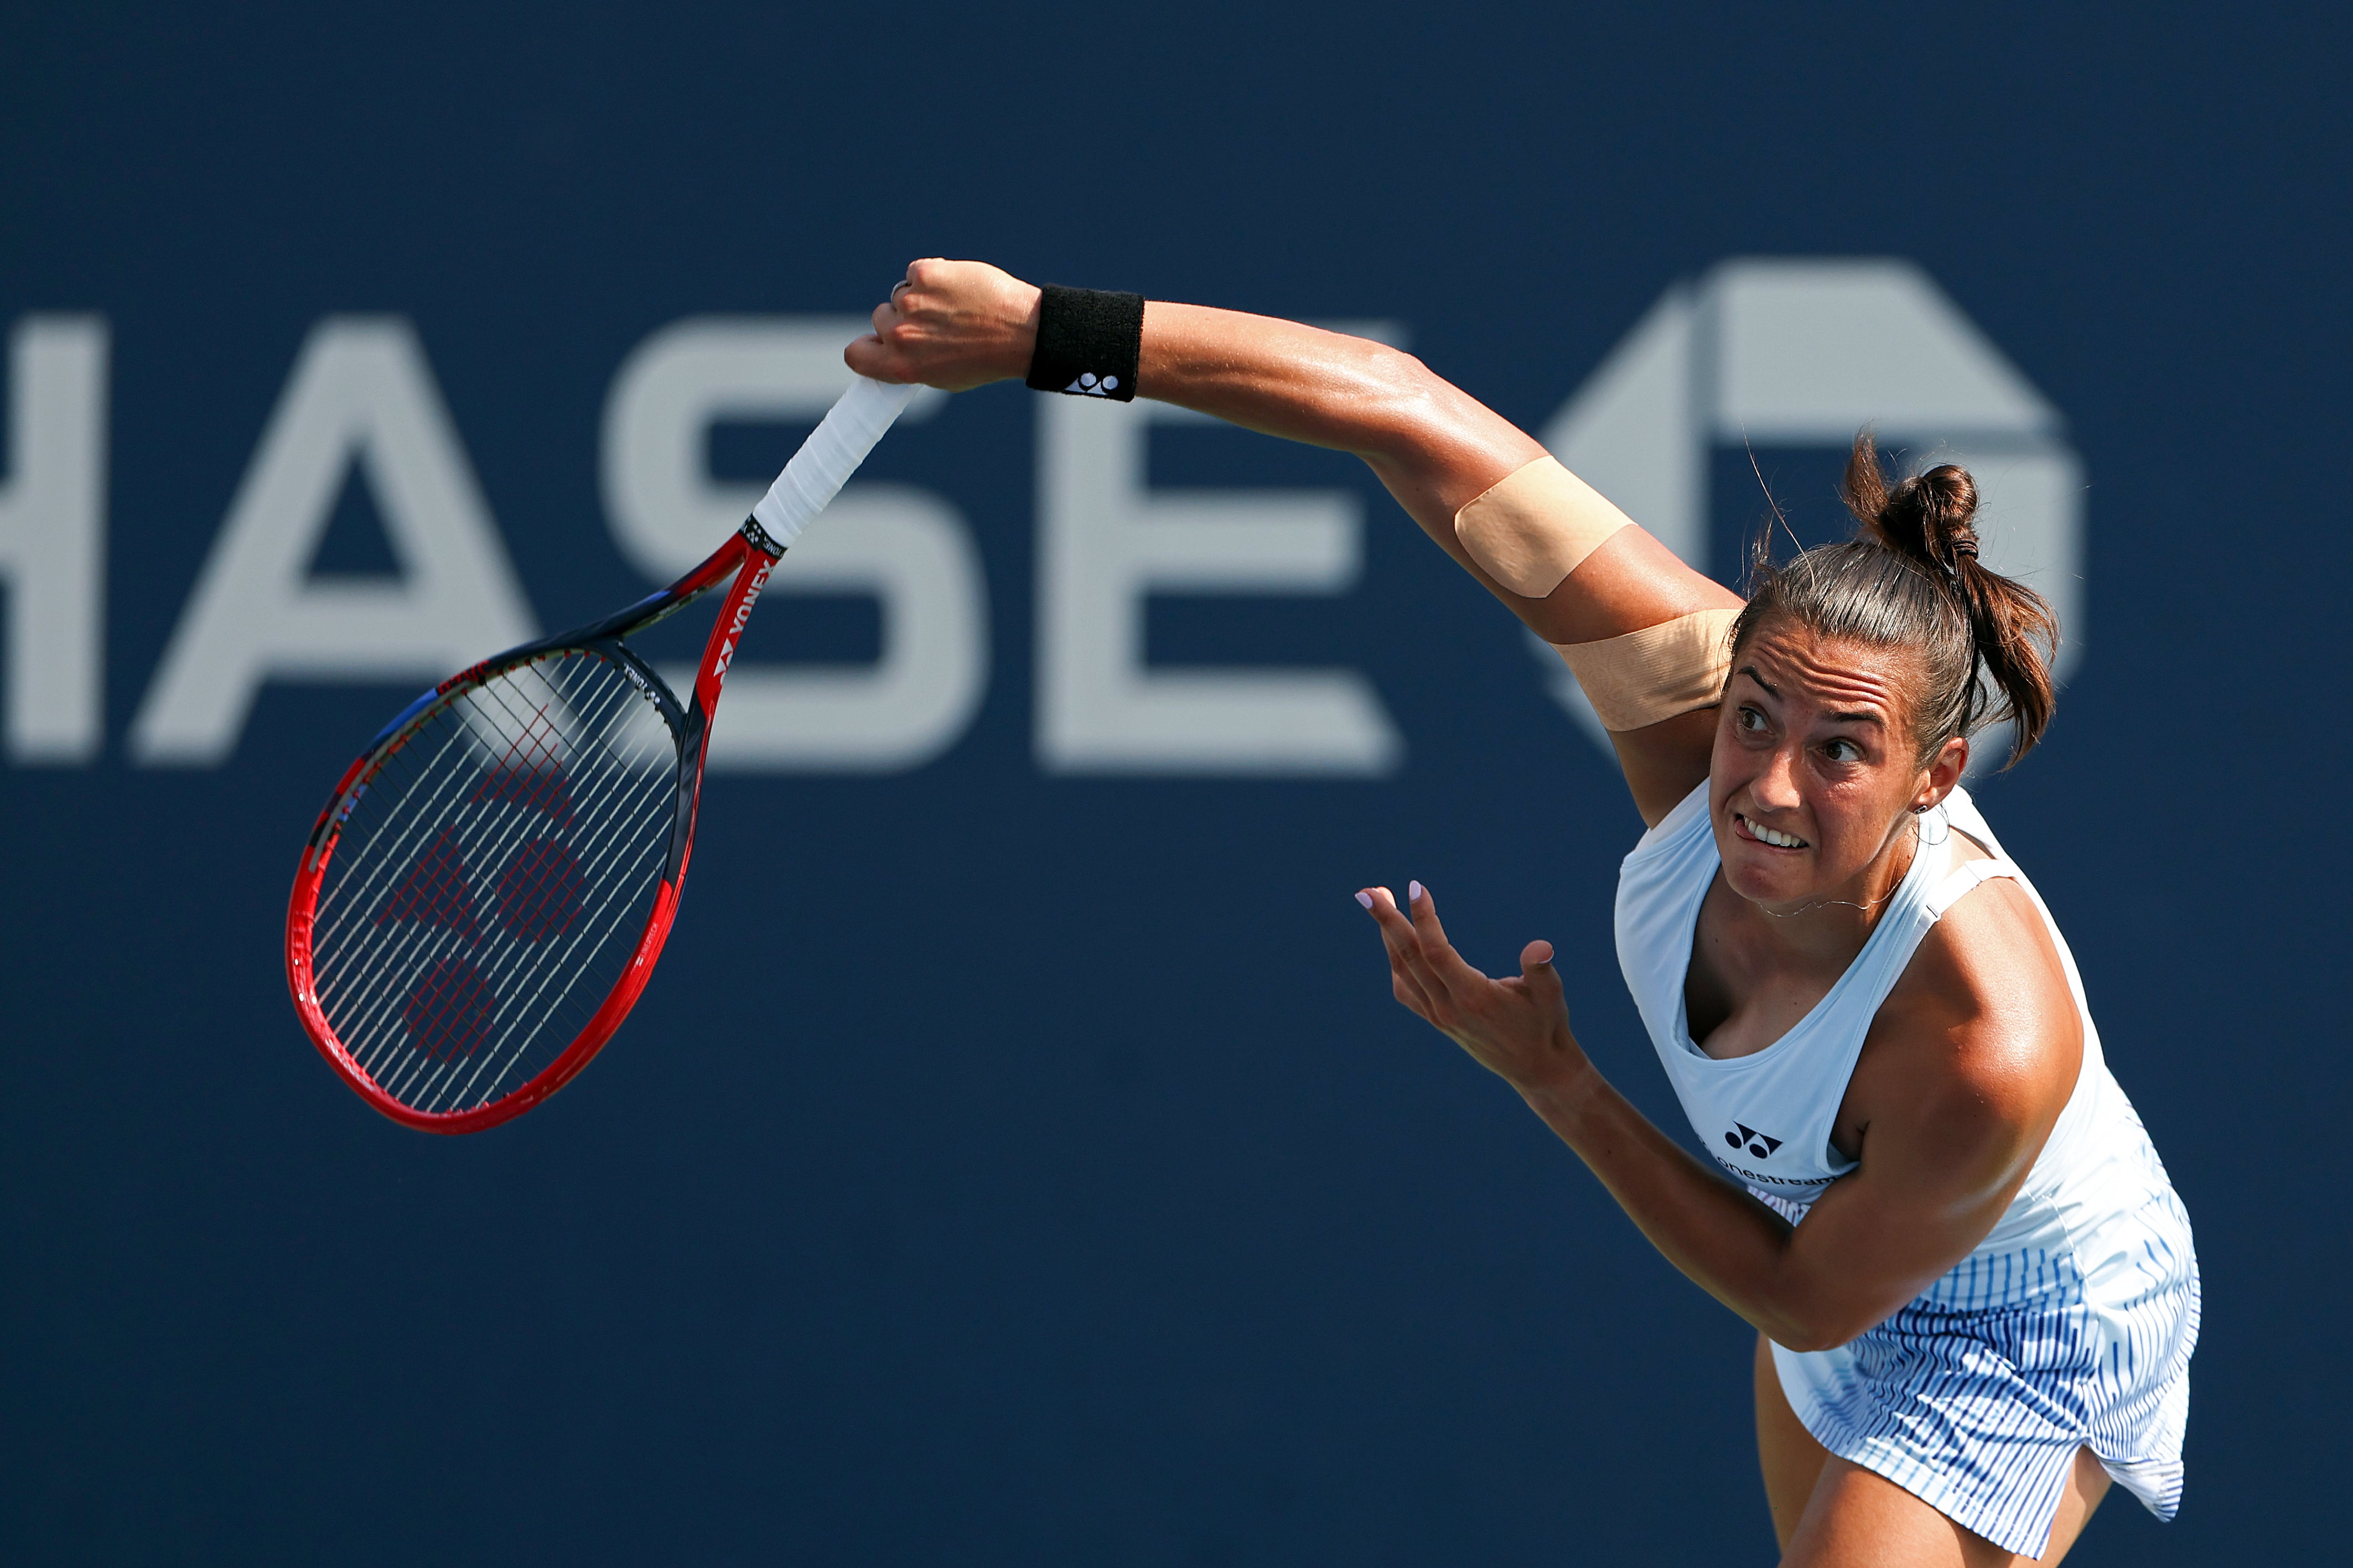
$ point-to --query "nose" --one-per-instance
(1775, 787)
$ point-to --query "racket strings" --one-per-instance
(421, 852)
(422, 809)
(498, 974)
(395, 860)
(529, 993)
(493, 878)
(456, 1002)
(449, 1014)
(434, 882)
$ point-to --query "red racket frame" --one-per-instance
(750, 554)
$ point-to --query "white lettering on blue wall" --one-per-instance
(361, 392)
(53, 539)
(1105, 542)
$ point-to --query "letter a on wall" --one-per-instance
(361, 392)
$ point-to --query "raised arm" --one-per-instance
(1642, 631)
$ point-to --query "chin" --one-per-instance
(1761, 888)
(1766, 883)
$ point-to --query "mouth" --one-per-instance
(1771, 837)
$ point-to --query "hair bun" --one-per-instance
(1928, 518)
(1930, 522)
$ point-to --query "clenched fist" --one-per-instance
(952, 325)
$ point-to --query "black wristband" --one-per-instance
(1089, 341)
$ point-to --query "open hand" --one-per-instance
(1516, 1028)
(952, 325)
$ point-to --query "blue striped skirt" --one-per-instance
(1975, 1397)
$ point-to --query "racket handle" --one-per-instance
(831, 455)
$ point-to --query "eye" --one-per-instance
(1843, 751)
(1749, 719)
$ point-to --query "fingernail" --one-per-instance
(1365, 899)
(1413, 892)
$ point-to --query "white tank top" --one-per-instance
(1767, 1116)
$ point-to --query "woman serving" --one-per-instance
(1974, 1288)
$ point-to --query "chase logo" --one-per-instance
(1743, 1136)
(1802, 353)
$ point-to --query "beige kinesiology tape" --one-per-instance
(1536, 525)
(1656, 673)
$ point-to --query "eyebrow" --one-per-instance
(1772, 690)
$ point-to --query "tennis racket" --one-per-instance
(486, 892)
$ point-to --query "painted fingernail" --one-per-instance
(1413, 892)
(1365, 899)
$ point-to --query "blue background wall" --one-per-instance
(1009, 1168)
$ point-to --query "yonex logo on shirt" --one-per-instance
(1089, 385)
(1755, 1142)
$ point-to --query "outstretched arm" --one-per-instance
(1958, 1126)
(960, 324)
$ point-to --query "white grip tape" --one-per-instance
(831, 455)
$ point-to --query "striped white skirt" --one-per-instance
(1975, 1397)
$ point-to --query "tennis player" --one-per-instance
(1974, 1289)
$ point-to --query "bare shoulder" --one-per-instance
(1976, 1048)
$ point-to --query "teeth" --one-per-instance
(1779, 840)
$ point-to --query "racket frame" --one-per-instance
(749, 556)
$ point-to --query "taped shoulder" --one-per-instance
(1536, 525)
(1644, 676)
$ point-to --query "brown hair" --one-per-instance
(1910, 578)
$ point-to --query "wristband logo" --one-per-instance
(1798, 353)
(1090, 385)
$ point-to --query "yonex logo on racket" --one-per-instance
(726, 655)
(1744, 1136)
